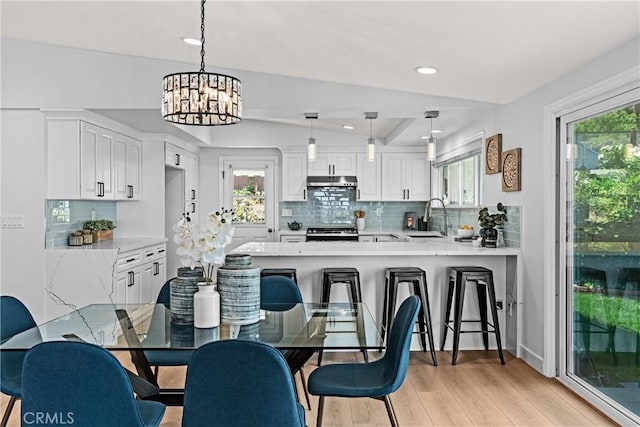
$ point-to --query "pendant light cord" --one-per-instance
(202, 36)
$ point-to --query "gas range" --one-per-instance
(331, 233)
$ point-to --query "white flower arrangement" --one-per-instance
(206, 248)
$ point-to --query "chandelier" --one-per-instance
(201, 98)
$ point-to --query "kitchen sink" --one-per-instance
(424, 234)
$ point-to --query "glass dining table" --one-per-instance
(299, 330)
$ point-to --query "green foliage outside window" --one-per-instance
(249, 204)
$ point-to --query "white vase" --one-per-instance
(206, 306)
(360, 224)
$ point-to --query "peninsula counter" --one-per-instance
(371, 259)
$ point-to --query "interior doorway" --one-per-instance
(249, 188)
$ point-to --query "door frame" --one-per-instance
(272, 161)
(554, 154)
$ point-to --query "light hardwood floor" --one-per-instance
(478, 391)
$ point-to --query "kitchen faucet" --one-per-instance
(427, 213)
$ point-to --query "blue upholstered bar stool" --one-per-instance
(417, 279)
(483, 279)
(286, 272)
(348, 275)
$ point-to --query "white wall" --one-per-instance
(23, 193)
(521, 124)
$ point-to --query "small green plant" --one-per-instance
(99, 225)
(490, 220)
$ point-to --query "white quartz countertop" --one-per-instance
(123, 244)
(430, 247)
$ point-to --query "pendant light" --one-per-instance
(431, 145)
(311, 148)
(371, 144)
(201, 98)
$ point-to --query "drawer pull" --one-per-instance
(131, 259)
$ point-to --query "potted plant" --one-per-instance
(488, 223)
(102, 229)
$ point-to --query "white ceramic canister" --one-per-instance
(360, 224)
(206, 306)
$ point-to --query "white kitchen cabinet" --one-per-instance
(293, 238)
(140, 274)
(128, 176)
(96, 162)
(190, 176)
(294, 177)
(179, 158)
(332, 164)
(405, 177)
(369, 178)
(90, 162)
(174, 156)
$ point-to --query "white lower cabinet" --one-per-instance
(141, 274)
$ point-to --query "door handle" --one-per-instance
(270, 230)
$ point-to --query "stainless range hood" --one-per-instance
(332, 181)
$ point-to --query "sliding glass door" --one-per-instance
(600, 251)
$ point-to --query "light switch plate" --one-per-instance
(287, 212)
(12, 221)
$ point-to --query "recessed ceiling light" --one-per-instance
(348, 127)
(426, 70)
(191, 41)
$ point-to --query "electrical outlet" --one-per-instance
(12, 221)
(287, 212)
(499, 305)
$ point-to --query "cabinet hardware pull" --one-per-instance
(132, 279)
(149, 253)
(160, 251)
(358, 194)
(193, 194)
(334, 169)
(130, 191)
(100, 189)
(177, 159)
(131, 259)
(408, 194)
(329, 169)
(157, 268)
(193, 208)
(304, 194)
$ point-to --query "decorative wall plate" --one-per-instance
(511, 161)
(493, 151)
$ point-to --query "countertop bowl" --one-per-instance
(465, 232)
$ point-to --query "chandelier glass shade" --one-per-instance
(200, 98)
(431, 144)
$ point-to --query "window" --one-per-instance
(248, 196)
(459, 181)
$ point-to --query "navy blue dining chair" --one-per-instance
(14, 318)
(376, 379)
(81, 384)
(280, 293)
(157, 358)
(240, 383)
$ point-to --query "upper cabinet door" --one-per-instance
(418, 177)
(96, 162)
(369, 181)
(294, 177)
(405, 177)
(330, 164)
(393, 187)
(128, 168)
